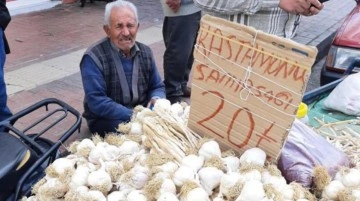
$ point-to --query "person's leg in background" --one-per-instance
(4, 109)
(192, 31)
(179, 35)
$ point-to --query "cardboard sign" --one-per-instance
(246, 85)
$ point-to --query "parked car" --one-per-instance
(344, 48)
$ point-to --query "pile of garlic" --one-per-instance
(136, 166)
(345, 186)
(119, 168)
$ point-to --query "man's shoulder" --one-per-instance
(142, 45)
(143, 48)
(97, 44)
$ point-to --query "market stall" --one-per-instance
(238, 141)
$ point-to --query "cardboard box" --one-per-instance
(246, 85)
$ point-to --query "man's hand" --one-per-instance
(303, 7)
(316, 7)
(173, 4)
(152, 102)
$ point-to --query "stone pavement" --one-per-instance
(47, 46)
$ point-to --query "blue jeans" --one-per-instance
(4, 109)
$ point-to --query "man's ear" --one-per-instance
(138, 25)
(107, 30)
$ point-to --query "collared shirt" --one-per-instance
(264, 15)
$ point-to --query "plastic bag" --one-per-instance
(303, 150)
(345, 97)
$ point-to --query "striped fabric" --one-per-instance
(264, 15)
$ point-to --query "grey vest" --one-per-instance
(107, 59)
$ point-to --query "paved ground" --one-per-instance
(47, 47)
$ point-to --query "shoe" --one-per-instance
(186, 92)
(174, 99)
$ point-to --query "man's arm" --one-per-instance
(232, 7)
(95, 93)
(176, 4)
(184, 2)
(250, 7)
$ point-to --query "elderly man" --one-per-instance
(118, 73)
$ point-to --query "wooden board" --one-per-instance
(246, 85)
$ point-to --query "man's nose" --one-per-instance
(125, 31)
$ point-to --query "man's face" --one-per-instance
(122, 28)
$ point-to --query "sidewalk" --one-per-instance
(47, 47)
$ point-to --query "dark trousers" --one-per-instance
(4, 109)
(103, 126)
(179, 35)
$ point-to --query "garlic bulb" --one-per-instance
(61, 167)
(218, 199)
(253, 174)
(288, 192)
(31, 198)
(142, 156)
(356, 194)
(162, 105)
(331, 191)
(167, 196)
(209, 149)
(80, 176)
(193, 161)
(77, 194)
(161, 175)
(143, 113)
(183, 174)
(136, 178)
(277, 181)
(95, 195)
(117, 196)
(228, 181)
(253, 190)
(136, 195)
(100, 180)
(169, 167)
(136, 128)
(51, 189)
(176, 110)
(351, 178)
(129, 147)
(210, 178)
(84, 147)
(232, 163)
(167, 186)
(112, 152)
(156, 187)
(196, 194)
(98, 153)
(254, 156)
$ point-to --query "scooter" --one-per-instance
(28, 145)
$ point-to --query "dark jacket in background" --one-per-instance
(4, 21)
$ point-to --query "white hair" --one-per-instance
(119, 4)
